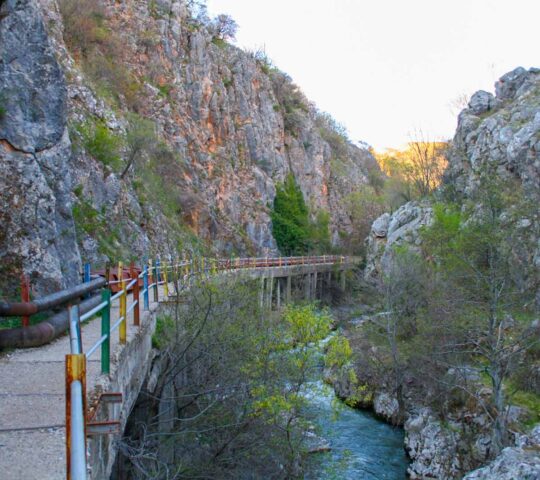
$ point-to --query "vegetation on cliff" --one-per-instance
(294, 230)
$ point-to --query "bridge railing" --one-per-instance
(114, 288)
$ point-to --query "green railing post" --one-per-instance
(106, 330)
(156, 281)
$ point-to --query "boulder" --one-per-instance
(481, 102)
(388, 231)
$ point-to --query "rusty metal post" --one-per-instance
(25, 297)
(75, 416)
(137, 307)
(108, 274)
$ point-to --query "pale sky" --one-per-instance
(385, 68)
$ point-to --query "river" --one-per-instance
(362, 447)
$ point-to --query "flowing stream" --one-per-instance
(362, 447)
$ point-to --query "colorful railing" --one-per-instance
(115, 287)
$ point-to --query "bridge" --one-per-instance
(64, 399)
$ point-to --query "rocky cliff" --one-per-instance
(226, 127)
(497, 136)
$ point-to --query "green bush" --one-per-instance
(294, 232)
(290, 219)
(101, 143)
(91, 222)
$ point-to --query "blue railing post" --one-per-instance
(86, 277)
(145, 286)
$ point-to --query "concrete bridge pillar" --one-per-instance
(261, 293)
(315, 281)
(288, 289)
(270, 290)
(342, 280)
(307, 286)
(278, 293)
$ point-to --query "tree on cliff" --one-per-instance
(224, 27)
(290, 218)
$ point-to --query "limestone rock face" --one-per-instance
(431, 448)
(501, 134)
(388, 231)
(225, 116)
(37, 233)
(501, 131)
(511, 464)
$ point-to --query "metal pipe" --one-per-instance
(118, 322)
(96, 345)
(132, 306)
(78, 448)
(75, 374)
(50, 301)
(136, 313)
(74, 333)
(94, 310)
(117, 295)
(43, 332)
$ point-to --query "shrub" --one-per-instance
(91, 222)
(101, 144)
(291, 100)
(100, 50)
(140, 139)
(165, 90)
(83, 25)
(333, 133)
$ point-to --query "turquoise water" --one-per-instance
(363, 448)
